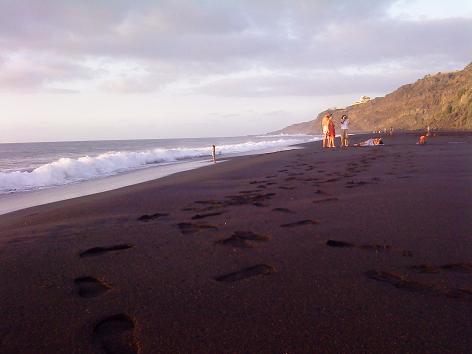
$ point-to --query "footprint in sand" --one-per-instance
(425, 268)
(190, 228)
(332, 199)
(400, 281)
(300, 223)
(319, 191)
(97, 251)
(458, 267)
(352, 184)
(260, 205)
(203, 216)
(150, 217)
(309, 179)
(247, 198)
(341, 244)
(115, 335)
(287, 188)
(204, 205)
(243, 239)
(451, 267)
(283, 210)
(208, 202)
(379, 248)
(260, 269)
(248, 192)
(464, 294)
(189, 209)
(90, 287)
(257, 182)
(369, 247)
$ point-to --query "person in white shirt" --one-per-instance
(344, 129)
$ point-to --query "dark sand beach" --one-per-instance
(364, 250)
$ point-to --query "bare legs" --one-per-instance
(331, 142)
(344, 138)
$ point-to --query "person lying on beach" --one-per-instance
(371, 142)
(422, 140)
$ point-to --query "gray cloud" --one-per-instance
(304, 44)
(322, 83)
(21, 73)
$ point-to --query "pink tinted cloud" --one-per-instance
(175, 39)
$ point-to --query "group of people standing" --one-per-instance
(329, 131)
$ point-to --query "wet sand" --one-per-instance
(303, 251)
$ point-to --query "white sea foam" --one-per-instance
(284, 135)
(67, 170)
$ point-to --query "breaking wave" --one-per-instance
(69, 170)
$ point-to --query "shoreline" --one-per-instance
(358, 250)
(15, 201)
(30, 199)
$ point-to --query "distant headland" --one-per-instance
(441, 101)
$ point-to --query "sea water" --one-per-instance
(39, 173)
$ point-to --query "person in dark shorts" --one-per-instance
(344, 131)
(213, 153)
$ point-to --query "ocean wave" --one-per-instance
(285, 135)
(68, 170)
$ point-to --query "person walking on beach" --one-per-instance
(344, 129)
(331, 132)
(213, 153)
(324, 126)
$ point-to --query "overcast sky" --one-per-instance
(128, 69)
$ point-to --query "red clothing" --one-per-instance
(331, 130)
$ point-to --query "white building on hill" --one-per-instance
(363, 99)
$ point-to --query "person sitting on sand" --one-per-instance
(331, 132)
(324, 126)
(371, 142)
(422, 140)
